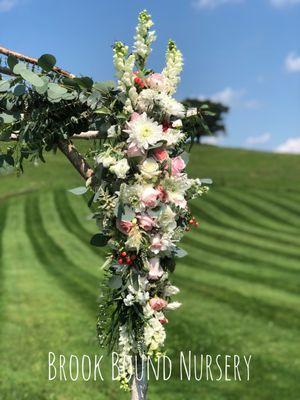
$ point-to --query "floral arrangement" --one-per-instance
(141, 201)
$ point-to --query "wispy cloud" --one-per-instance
(291, 145)
(6, 5)
(211, 4)
(292, 62)
(261, 139)
(284, 3)
(232, 98)
(213, 140)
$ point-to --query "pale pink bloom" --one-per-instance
(177, 165)
(134, 116)
(145, 222)
(155, 270)
(156, 244)
(158, 82)
(157, 303)
(160, 154)
(162, 194)
(149, 196)
(134, 151)
(124, 226)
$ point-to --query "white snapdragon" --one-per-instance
(120, 168)
(154, 335)
(124, 65)
(140, 296)
(170, 290)
(144, 37)
(174, 65)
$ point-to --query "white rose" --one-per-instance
(106, 160)
(120, 168)
(149, 168)
(166, 219)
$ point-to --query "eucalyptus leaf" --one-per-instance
(4, 85)
(12, 61)
(57, 89)
(115, 282)
(47, 62)
(99, 240)
(29, 76)
(180, 253)
(79, 190)
(19, 90)
(7, 118)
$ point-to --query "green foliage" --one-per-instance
(210, 119)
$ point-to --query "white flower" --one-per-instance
(173, 136)
(177, 123)
(146, 100)
(173, 306)
(129, 300)
(170, 106)
(154, 335)
(166, 219)
(174, 64)
(155, 270)
(144, 38)
(170, 291)
(175, 188)
(149, 168)
(191, 111)
(120, 168)
(144, 132)
(105, 159)
(112, 131)
(161, 244)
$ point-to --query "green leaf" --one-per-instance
(7, 118)
(19, 90)
(79, 190)
(115, 282)
(84, 82)
(28, 75)
(57, 89)
(12, 61)
(47, 62)
(4, 85)
(180, 253)
(104, 86)
(99, 240)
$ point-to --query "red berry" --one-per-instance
(191, 221)
(120, 261)
(123, 254)
(128, 260)
(133, 257)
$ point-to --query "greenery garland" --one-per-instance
(139, 187)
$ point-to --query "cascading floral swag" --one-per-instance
(140, 190)
(142, 208)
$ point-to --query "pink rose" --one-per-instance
(155, 270)
(134, 151)
(145, 222)
(124, 226)
(149, 196)
(160, 154)
(177, 165)
(158, 82)
(162, 194)
(163, 320)
(157, 303)
(156, 244)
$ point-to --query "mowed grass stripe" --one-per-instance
(242, 297)
(271, 209)
(219, 214)
(70, 220)
(257, 210)
(240, 208)
(250, 272)
(78, 283)
(288, 251)
(281, 200)
(241, 252)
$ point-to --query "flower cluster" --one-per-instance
(144, 179)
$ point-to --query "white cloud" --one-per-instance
(210, 4)
(252, 104)
(292, 63)
(6, 5)
(261, 139)
(228, 96)
(213, 140)
(291, 145)
(284, 3)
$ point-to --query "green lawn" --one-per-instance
(239, 284)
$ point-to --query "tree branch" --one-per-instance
(31, 60)
(83, 135)
(6, 71)
(76, 159)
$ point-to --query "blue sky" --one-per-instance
(245, 53)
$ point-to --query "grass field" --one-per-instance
(239, 284)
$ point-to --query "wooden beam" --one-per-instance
(83, 135)
(31, 60)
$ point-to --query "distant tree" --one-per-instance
(213, 115)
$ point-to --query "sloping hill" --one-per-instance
(239, 284)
